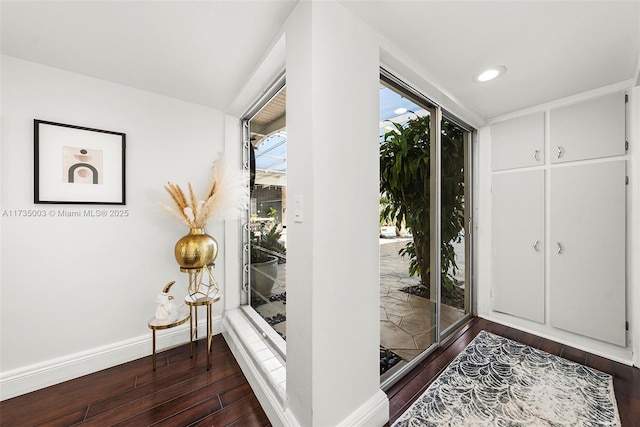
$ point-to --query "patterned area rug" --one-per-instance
(499, 382)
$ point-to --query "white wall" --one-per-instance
(332, 255)
(483, 242)
(77, 292)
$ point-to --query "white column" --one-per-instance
(333, 263)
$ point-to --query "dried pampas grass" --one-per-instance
(228, 193)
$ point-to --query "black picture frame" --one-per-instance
(78, 165)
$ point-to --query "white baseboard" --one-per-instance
(590, 345)
(34, 377)
(374, 412)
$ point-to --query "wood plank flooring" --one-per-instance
(181, 392)
(626, 379)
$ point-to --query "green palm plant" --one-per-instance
(405, 184)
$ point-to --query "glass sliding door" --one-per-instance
(454, 220)
(424, 196)
(408, 312)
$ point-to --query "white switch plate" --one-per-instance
(297, 208)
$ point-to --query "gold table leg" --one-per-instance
(209, 334)
(153, 332)
(191, 332)
(195, 332)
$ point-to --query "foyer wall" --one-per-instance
(80, 288)
(333, 294)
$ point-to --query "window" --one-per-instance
(266, 232)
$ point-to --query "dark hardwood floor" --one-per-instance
(181, 392)
(626, 379)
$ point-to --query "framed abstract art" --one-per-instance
(78, 165)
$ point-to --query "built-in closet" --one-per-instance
(558, 217)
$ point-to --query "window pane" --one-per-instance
(454, 293)
(268, 213)
(407, 311)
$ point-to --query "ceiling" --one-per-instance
(198, 51)
(551, 49)
(206, 51)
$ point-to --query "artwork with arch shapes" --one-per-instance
(82, 165)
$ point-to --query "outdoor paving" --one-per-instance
(407, 322)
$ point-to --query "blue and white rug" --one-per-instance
(499, 382)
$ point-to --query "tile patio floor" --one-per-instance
(407, 322)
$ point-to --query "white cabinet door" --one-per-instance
(588, 130)
(587, 250)
(517, 143)
(518, 244)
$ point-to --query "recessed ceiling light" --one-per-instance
(400, 110)
(490, 73)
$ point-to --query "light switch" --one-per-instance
(297, 208)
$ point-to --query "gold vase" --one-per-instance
(196, 250)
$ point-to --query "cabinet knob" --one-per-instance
(560, 248)
(560, 151)
(535, 245)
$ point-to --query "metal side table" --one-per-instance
(155, 325)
